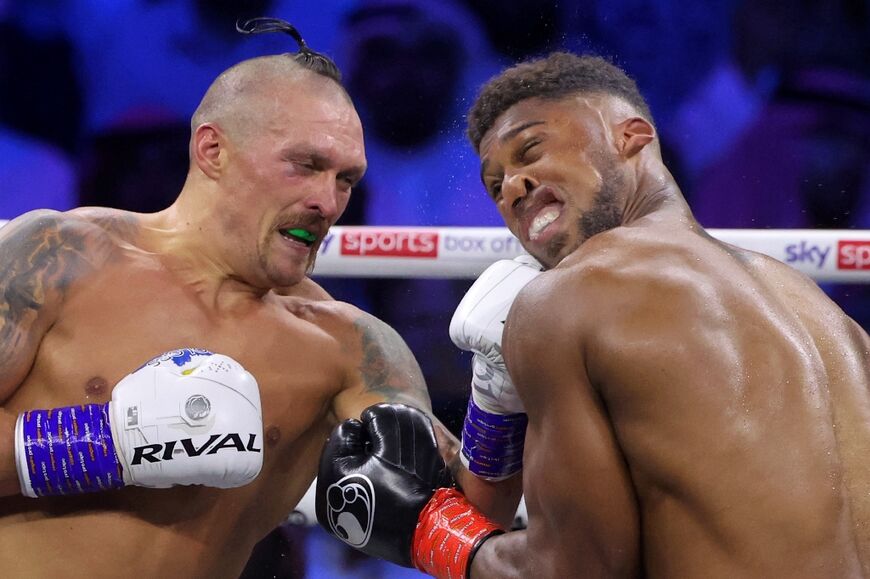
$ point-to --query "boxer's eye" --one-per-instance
(522, 154)
(495, 190)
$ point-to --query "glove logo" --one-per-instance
(177, 357)
(132, 417)
(350, 509)
(197, 407)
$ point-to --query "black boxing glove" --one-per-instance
(380, 489)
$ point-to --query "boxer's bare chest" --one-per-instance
(128, 314)
(130, 310)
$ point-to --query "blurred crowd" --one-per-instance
(763, 109)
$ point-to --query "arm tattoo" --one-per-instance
(388, 367)
(40, 258)
(123, 226)
(389, 370)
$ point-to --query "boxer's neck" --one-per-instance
(656, 194)
(187, 244)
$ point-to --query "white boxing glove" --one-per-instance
(186, 417)
(495, 425)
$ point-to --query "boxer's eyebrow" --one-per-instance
(354, 174)
(321, 161)
(507, 137)
(517, 130)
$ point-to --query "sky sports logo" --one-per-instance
(853, 254)
(390, 243)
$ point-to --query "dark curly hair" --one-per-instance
(553, 77)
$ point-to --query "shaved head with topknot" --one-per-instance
(236, 99)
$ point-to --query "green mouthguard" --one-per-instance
(302, 234)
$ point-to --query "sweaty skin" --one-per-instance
(695, 409)
(89, 295)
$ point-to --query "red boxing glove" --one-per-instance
(449, 532)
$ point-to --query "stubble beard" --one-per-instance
(278, 277)
(307, 220)
(604, 215)
(315, 249)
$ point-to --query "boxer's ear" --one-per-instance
(206, 147)
(632, 135)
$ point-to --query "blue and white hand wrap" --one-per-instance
(492, 443)
(66, 451)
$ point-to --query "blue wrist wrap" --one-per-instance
(68, 451)
(492, 444)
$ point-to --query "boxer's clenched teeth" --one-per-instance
(542, 220)
(298, 234)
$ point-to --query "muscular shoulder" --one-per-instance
(47, 252)
(359, 334)
(617, 272)
(68, 244)
(613, 268)
(307, 289)
(44, 254)
(379, 365)
(617, 292)
(355, 330)
(632, 252)
(114, 223)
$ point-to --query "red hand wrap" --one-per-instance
(448, 532)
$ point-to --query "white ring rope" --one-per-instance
(826, 255)
(464, 252)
